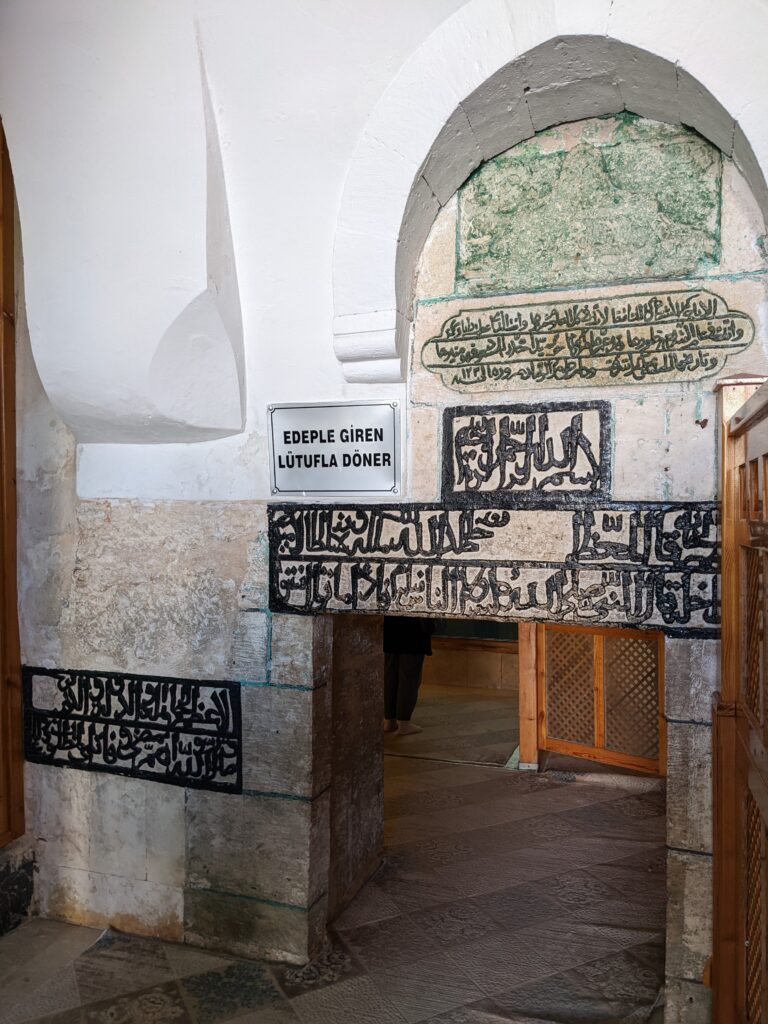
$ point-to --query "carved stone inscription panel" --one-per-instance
(515, 455)
(652, 565)
(177, 731)
(624, 339)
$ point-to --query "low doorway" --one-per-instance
(468, 699)
(503, 895)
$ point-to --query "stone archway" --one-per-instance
(491, 76)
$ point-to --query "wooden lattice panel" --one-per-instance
(753, 631)
(570, 700)
(754, 920)
(631, 695)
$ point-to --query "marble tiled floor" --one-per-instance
(503, 898)
(461, 724)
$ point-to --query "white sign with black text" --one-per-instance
(335, 448)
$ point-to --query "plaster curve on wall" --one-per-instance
(493, 75)
(124, 220)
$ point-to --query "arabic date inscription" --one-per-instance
(651, 337)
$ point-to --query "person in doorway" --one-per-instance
(407, 641)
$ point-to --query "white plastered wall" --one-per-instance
(209, 203)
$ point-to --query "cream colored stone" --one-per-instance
(291, 651)
(437, 266)
(118, 846)
(424, 454)
(689, 914)
(665, 446)
(249, 648)
(101, 900)
(156, 586)
(742, 227)
(59, 815)
(165, 825)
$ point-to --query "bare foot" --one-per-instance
(390, 725)
(408, 729)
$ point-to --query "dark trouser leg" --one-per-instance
(409, 680)
(391, 681)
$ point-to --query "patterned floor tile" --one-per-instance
(371, 904)
(560, 1000)
(350, 1002)
(231, 991)
(334, 964)
(280, 1013)
(520, 906)
(580, 889)
(389, 942)
(422, 988)
(73, 1016)
(117, 964)
(160, 1004)
(186, 960)
(483, 1012)
(617, 912)
(454, 923)
(53, 996)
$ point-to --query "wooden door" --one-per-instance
(11, 757)
(601, 695)
(740, 722)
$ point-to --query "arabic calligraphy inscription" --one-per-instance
(515, 455)
(652, 337)
(652, 564)
(177, 731)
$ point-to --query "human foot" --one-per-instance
(390, 725)
(408, 729)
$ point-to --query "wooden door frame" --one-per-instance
(532, 699)
(11, 745)
(727, 911)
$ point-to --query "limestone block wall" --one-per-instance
(167, 589)
(581, 217)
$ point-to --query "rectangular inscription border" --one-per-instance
(682, 573)
(37, 716)
(519, 498)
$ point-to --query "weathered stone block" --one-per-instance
(118, 845)
(59, 814)
(687, 1002)
(165, 828)
(691, 677)
(249, 647)
(254, 588)
(642, 201)
(250, 928)
(273, 848)
(498, 113)
(573, 101)
(424, 455)
(357, 804)
(285, 739)
(17, 865)
(689, 787)
(452, 158)
(689, 914)
(700, 110)
(291, 661)
(437, 266)
(647, 83)
(155, 586)
(99, 901)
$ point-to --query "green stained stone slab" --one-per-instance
(613, 199)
